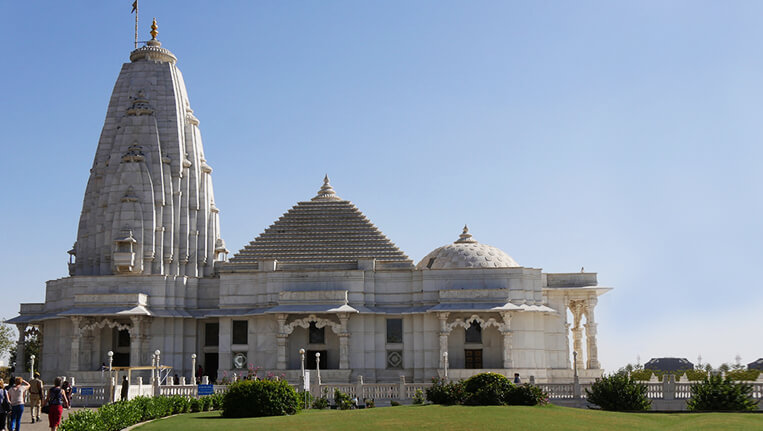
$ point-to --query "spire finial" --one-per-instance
(465, 236)
(153, 30)
(326, 193)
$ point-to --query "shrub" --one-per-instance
(83, 420)
(217, 401)
(447, 393)
(321, 403)
(342, 400)
(696, 375)
(119, 415)
(369, 402)
(206, 403)
(526, 395)
(619, 392)
(643, 375)
(418, 397)
(255, 398)
(487, 389)
(394, 403)
(721, 394)
(195, 405)
(743, 374)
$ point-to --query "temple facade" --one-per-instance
(149, 271)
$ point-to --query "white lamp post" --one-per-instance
(31, 370)
(318, 369)
(302, 355)
(158, 363)
(445, 363)
(111, 381)
(193, 368)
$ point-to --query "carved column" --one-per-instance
(590, 331)
(444, 333)
(576, 308)
(21, 350)
(344, 342)
(74, 359)
(136, 337)
(505, 329)
(88, 338)
(281, 340)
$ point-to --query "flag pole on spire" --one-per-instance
(135, 9)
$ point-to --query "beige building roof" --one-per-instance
(326, 229)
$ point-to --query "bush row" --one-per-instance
(622, 392)
(485, 389)
(120, 415)
(694, 375)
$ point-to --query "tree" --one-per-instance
(716, 393)
(7, 338)
(31, 347)
(619, 392)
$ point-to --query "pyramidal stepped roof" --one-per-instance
(326, 229)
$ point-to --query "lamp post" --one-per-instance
(158, 364)
(318, 369)
(302, 355)
(304, 386)
(193, 368)
(31, 369)
(111, 381)
(445, 363)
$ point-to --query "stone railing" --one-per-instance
(374, 391)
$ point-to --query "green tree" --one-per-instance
(32, 342)
(721, 394)
(7, 338)
(619, 392)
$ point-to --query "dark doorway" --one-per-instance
(211, 364)
(473, 358)
(310, 359)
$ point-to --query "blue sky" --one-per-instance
(620, 136)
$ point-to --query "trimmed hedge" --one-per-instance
(743, 374)
(619, 392)
(122, 414)
(255, 398)
(716, 393)
(485, 389)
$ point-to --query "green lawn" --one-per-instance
(441, 418)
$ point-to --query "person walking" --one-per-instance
(35, 396)
(16, 395)
(5, 405)
(56, 401)
(67, 388)
(125, 388)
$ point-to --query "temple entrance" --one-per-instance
(310, 359)
(473, 358)
(211, 364)
(121, 343)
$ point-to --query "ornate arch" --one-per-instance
(319, 322)
(104, 323)
(482, 322)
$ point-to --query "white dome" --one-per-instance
(466, 253)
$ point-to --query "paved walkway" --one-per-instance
(26, 420)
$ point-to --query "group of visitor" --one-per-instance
(53, 402)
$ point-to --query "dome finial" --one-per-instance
(153, 30)
(326, 193)
(465, 236)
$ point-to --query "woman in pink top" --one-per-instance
(16, 395)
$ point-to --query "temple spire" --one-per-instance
(326, 193)
(465, 236)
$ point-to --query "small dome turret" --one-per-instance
(466, 252)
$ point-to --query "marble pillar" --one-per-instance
(444, 333)
(281, 341)
(344, 342)
(505, 330)
(21, 349)
(75, 339)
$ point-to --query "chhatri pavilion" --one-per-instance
(150, 271)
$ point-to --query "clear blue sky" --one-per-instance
(620, 136)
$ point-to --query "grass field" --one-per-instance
(441, 418)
